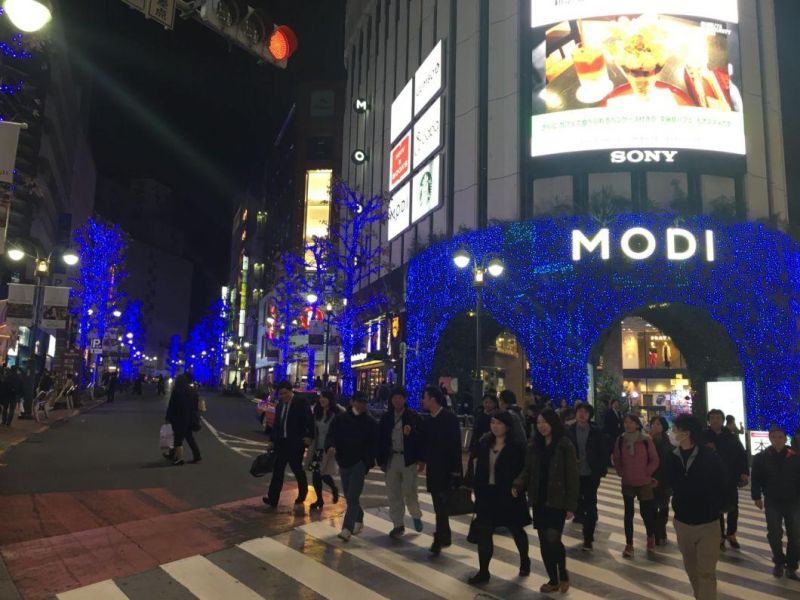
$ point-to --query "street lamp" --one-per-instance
(312, 298)
(29, 15)
(117, 313)
(494, 268)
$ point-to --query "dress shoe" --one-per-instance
(777, 571)
(335, 492)
(435, 549)
(269, 502)
(563, 587)
(525, 567)
(479, 578)
(734, 542)
(344, 535)
(548, 588)
(792, 574)
(317, 505)
(359, 527)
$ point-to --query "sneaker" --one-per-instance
(587, 546)
(344, 535)
(359, 528)
(777, 571)
(792, 574)
(734, 542)
(651, 543)
(479, 578)
(418, 525)
(397, 532)
(628, 552)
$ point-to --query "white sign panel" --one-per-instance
(54, 313)
(9, 140)
(399, 212)
(728, 396)
(428, 78)
(759, 441)
(402, 110)
(428, 133)
(545, 12)
(162, 11)
(425, 190)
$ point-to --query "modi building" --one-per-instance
(617, 164)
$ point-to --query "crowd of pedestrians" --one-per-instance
(543, 466)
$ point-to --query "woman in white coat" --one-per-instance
(322, 464)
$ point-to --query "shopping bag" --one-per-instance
(263, 464)
(165, 439)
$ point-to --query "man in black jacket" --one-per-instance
(734, 458)
(697, 474)
(352, 438)
(291, 432)
(592, 451)
(399, 441)
(441, 453)
(776, 477)
(612, 425)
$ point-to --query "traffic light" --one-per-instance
(282, 43)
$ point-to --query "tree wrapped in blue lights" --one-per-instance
(558, 308)
(101, 249)
(174, 355)
(289, 301)
(132, 333)
(319, 280)
(353, 258)
(205, 346)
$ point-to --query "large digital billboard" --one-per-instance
(636, 75)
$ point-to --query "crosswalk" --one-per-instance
(240, 445)
(310, 562)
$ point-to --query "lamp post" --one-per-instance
(42, 269)
(28, 15)
(328, 312)
(494, 268)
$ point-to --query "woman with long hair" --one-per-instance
(659, 431)
(636, 460)
(322, 464)
(499, 460)
(550, 477)
(183, 414)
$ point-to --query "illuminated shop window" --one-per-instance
(667, 192)
(552, 196)
(719, 197)
(318, 201)
(506, 343)
(609, 193)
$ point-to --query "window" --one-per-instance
(667, 192)
(719, 197)
(318, 202)
(552, 196)
(609, 193)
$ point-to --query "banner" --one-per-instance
(9, 139)
(20, 305)
(162, 11)
(316, 335)
(140, 5)
(56, 303)
(5, 212)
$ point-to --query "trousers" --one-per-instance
(443, 535)
(699, 546)
(9, 411)
(647, 510)
(286, 454)
(401, 488)
(778, 513)
(587, 506)
(353, 485)
(733, 519)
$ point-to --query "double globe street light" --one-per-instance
(494, 268)
(28, 15)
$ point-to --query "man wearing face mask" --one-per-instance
(776, 478)
(734, 457)
(697, 474)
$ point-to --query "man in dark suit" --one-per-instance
(441, 455)
(291, 432)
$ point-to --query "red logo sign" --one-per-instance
(400, 160)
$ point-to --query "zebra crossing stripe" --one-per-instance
(107, 590)
(306, 570)
(207, 581)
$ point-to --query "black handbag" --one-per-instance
(459, 502)
(263, 464)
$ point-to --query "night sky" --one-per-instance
(184, 108)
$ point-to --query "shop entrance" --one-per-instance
(568, 281)
(659, 358)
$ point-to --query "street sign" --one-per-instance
(759, 440)
(97, 346)
(160, 11)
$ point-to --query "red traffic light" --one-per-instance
(282, 43)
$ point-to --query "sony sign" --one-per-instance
(638, 243)
(639, 156)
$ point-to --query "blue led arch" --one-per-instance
(558, 308)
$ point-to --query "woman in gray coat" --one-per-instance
(321, 464)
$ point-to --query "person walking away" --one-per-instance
(399, 449)
(183, 414)
(441, 458)
(352, 439)
(500, 459)
(5, 396)
(160, 388)
(550, 478)
(591, 447)
(659, 432)
(734, 457)
(111, 388)
(14, 391)
(775, 488)
(697, 474)
(322, 464)
(508, 403)
(636, 460)
(290, 434)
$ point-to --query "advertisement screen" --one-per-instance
(636, 74)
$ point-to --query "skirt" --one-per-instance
(498, 508)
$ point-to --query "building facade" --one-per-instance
(481, 119)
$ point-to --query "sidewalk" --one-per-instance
(22, 429)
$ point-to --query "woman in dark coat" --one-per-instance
(500, 459)
(183, 414)
(659, 431)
